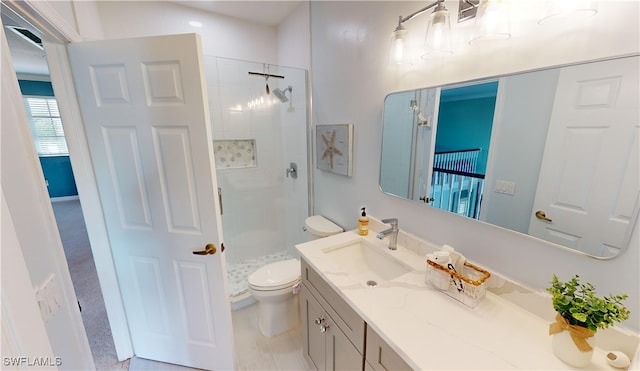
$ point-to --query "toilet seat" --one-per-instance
(276, 276)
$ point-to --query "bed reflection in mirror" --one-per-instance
(551, 153)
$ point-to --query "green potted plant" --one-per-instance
(580, 313)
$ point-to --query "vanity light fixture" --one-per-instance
(467, 9)
(561, 10)
(437, 32)
(492, 21)
(438, 39)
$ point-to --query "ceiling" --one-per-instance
(29, 59)
(266, 12)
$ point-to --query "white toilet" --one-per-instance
(275, 286)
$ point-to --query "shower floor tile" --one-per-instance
(238, 273)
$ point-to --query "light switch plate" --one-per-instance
(505, 187)
(48, 297)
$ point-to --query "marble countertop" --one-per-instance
(431, 330)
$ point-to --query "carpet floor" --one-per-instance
(75, 241)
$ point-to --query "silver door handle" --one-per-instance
(292, 170)
(220, 199)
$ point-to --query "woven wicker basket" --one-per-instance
(468, 286)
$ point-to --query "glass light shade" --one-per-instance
(438, 39)
(561, 10)
(396, 51)
(492, 21)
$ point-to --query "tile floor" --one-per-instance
(254, 351)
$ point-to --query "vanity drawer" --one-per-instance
(380, 356)
(345, 317)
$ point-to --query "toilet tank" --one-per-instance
(318, 226)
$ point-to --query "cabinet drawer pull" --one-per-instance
(324, 328)
(319, 320)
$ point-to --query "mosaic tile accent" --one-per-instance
(238, 273)
(234, 153)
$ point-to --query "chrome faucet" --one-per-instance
(393, 232)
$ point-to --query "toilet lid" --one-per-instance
(321, 226)
(276, 275)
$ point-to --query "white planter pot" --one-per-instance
(565, 349)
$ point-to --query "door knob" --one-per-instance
(319, 320)
(426, 199)
(210, 249)
(542, 216)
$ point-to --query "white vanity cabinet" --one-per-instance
(333, 333)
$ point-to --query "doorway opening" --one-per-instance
(465, 122)
(77, 250)
(30, 64)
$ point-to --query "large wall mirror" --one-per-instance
(550, 153)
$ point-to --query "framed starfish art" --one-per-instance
(334, 148)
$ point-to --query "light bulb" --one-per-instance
(396, 53)
(437, 41)
(492, 21)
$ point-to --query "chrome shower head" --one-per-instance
(281, 94)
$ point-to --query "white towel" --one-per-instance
(441, 257)
(457, 259)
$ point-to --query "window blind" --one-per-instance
(46, 125)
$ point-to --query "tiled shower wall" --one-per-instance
(263, 210)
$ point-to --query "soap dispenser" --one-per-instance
(363, 223)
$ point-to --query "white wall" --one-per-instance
(288, 44)
(65, 10)
(221, 35)
(27, 200)
(351, 78)
(294, 39)
(23, 330)
(87, 19)
(517, 146)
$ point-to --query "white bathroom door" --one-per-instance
(143, 104)
(589, 180)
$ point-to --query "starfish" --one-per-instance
(331, 148)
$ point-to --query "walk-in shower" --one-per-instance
(256, 138)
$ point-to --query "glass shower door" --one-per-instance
(259, 129)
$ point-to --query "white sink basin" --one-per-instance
(366, 262)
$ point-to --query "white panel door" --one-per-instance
(589, 179)
(143, 103)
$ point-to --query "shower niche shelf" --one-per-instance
(234, 153)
